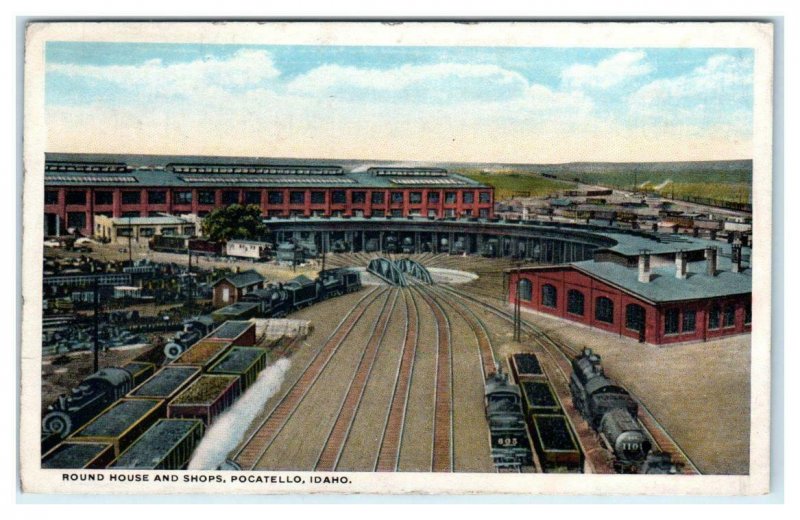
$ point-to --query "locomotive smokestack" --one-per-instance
(644, 266)
(680, 265)
(711, 261)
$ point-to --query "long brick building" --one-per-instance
(687, 291)
(79, 187)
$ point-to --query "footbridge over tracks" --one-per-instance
(415, 269)
(387, 271)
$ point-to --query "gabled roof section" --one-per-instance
(243, 279)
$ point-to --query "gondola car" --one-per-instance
(610, 410)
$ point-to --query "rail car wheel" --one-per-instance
(58, 423)
(173, 350)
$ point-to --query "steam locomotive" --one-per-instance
(92, 395)
(509, 436)
(610, 410)
(193, 330)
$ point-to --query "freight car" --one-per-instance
(204, 247)
(170, 243)
(92, 395)
(168, 444)
(509, 438)
(610, 410)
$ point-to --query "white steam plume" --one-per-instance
(229, 428)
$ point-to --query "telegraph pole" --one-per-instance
(517, 309)
(130, 242)
(95, 323)
(323, 252)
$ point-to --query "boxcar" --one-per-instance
(538, 398)
(555, 443)
(202, 354)
(206, 398)
(201, 246)
(170, 243)
(121, 423)
(168, 444)
(79, 455)
(244, 362)
(166, 383)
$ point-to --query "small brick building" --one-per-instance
(228, 290)
(686, 302)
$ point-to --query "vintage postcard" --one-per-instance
(364, 257)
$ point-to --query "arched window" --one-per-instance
(549, 295)
(604, 309)
(575, 302)
(634, 317)
(525, 289)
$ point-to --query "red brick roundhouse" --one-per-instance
(681, 290)
(78, 187)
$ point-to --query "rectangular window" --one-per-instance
(450, 197)
(359, 197)
(397, 212)
(485, 197)
(483, 213)
(131, 197)
(317, 197)
(182, 197)
(671, 321)
(103, 198)
(275, 213)
(131, 214)
(275, 197)
(397, 197)
(377, 197)
(689, 319)
(468, 197)
(338, 197)
(729, 317)
(431, 212)
(415, 197)
(449, 213)
(76, 197)
(76, 220)
(748, 313)
(714, 316)
(157, 197)
(297, 197)
(433, 197)
(124, 232)
(467, 212)
(207, 197)
(252, 197)
(146, 231)
(230, 197)
(169, 231)
(51, 197)
(378, 213)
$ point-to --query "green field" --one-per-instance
(510, 183)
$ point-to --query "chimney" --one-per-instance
(711, 261)
(644, 266)
(736, 256)
(680, 265)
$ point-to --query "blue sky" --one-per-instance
(413, 103)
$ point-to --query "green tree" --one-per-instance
(234, 221)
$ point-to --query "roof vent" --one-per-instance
(644, 266)
(680, 265)
(711, 261)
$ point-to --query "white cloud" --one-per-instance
(154, 77)
(609, 72)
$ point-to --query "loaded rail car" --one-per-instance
(140, 371)
(555, 443)
(526, 367)
(168, 444)
(538, 398)
(237, 333)
(166, 383)
(237, 311)
(202, 354)
(244, 362)
(206, 398)
(79, 455)
(121, 423)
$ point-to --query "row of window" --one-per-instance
(254, 197)
(676, 320)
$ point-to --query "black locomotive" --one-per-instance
(193, 330)
(93, 394)
(610, 410)
(510, 444)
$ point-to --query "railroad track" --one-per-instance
(560, 354)
(331, 452)
(389, 452)
(442, 455)
(257, 444)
